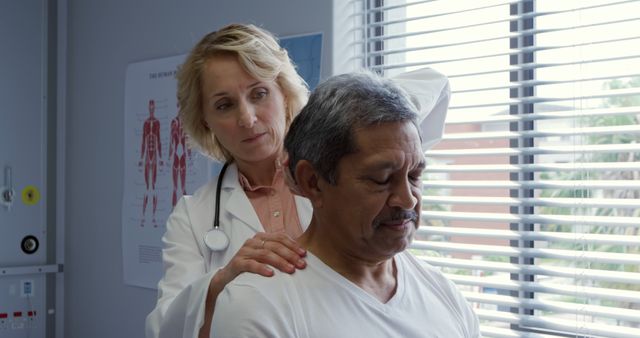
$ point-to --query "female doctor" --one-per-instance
(238, 92)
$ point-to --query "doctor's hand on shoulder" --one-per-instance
(263, 251)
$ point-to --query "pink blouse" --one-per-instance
(275, 204)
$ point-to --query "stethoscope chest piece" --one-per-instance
(216, 240)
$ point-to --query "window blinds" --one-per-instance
(531, 202)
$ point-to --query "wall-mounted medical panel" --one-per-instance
(28, 265)
(22, 134)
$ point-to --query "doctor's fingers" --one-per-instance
(260, 263)
(282, 245)
(242, 262)
(263, 239)
(280, 257)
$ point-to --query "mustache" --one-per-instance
(397, 215)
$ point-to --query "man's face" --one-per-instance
(374, 208)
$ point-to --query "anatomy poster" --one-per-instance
(158, 166)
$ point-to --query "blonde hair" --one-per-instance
(260, 55)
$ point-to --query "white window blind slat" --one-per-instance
(569, 149)
(544, 133)
(400, 5)
(548, 270)
(409, 4)
(471, 8)
(494, 332)
(533, 66)
(555, 167)
(592, 256)
(515, 52)
(457, 118)
(540, 100)
(587, 328)
(575, 309)
(571, 184)
(505, 70)
(582, 238)
(526, 84)
(545, 287)
(543, 201)
(522, 33)
(603, 221)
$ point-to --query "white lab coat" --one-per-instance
(189, 265)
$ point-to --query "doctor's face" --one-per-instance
(374, 208)
(247, 115)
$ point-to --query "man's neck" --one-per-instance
(376, 277)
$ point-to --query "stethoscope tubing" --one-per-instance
(215, 239)
(216, 217)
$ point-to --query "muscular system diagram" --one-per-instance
(150, 158)
(178, 152)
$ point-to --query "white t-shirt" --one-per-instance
(319, 302)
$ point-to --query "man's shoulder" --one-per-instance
(418, 268)
(281, 291)
(429, 277)
(416, 264)
(280, 282)
(254, 305)
(263, 293)
(429, 280)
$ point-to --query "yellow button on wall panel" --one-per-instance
(30, 195)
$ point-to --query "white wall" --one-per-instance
(103, 37)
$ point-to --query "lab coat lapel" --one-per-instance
(200, 209)
(238, 204)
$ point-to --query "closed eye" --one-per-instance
(415, 176)
(384, 181)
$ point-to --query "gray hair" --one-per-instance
(323, 132)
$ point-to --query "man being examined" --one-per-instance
(355, 151)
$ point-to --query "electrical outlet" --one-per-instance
(26, 288)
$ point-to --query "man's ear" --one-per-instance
(309, 182)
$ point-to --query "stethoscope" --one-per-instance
(215, 239)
